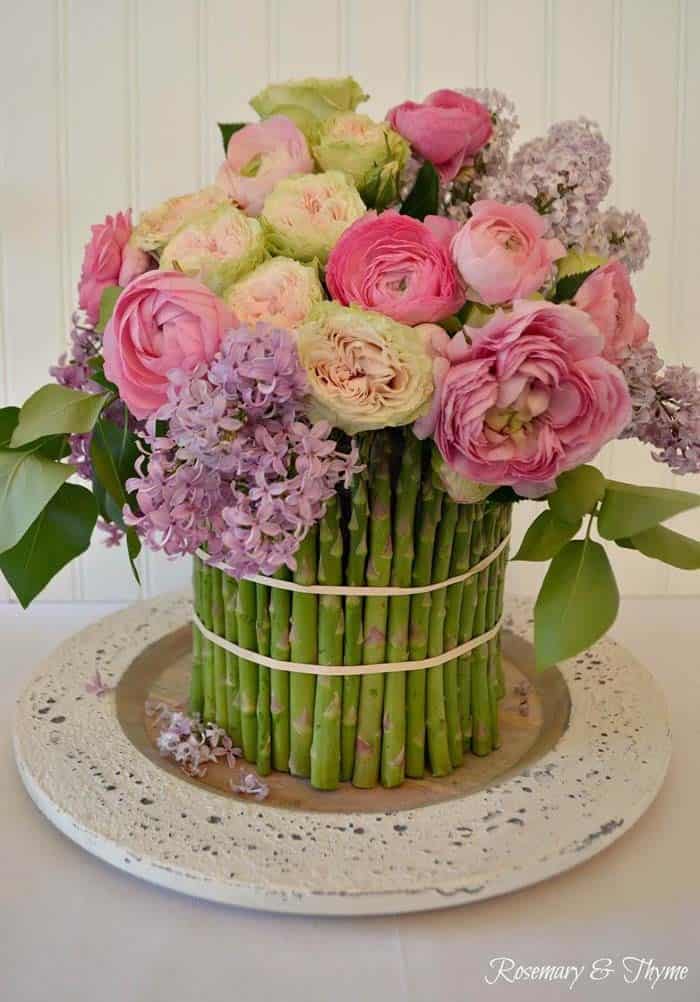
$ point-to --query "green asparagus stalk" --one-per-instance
(196, 690)
(453, 692)
(393, 766)
(378, 575)
(247, 670)
(280, 608)
(482, 738)
(466, 628)
(304, 644)
(436, 717)
(230, 592)
(208, 684)
(325, 746)
(264, 723)
(354, 604)
(428, 517)
(502, 571)
(219, 627)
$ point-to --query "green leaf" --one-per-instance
(422, 200)
(668, 546)
(97, 374)
(108, 301)
(545, 537)
(567, 287)
(59, 534)
(56, 410)
(578, 492)
(113, 453)
(227, 129)
(577, 603)
(628, 509)
(28, 481)
(9, 416)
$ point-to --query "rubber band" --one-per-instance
(312, 669)
(366, 590)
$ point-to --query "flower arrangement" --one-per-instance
(327, 377)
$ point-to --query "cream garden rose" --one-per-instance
(156, 226)
(304, 216)
(364, 370)
(217, 247)
(370, 152)
(280, 291)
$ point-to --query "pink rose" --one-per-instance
(530, 397)
(398, 266)
(260, 155)
(109, 259)
(501, 252)
(609, 300)
(163, 321)
(447, 128)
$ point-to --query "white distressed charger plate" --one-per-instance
(556, 808)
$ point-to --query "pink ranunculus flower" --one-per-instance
(260, 155)
(501, 251)
(162, 322)
(398, 266)
(530, 397)
(608, 298)
(109, 259)
(447, 128)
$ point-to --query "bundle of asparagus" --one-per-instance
(396, 526)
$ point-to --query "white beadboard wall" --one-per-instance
(114, 104)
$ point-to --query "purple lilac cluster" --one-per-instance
(241, 470)
(565, 175)
(622, 235)
(665, 408)
(493, 159)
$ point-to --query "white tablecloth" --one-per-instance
(72, 928)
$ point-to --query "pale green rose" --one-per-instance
(304, 216)
(280, 291)
(459, 488)
(370, 152)
(217, 247)
(319, 97)
(156, 226)
(364, 370)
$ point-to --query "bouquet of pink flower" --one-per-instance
(327, 377)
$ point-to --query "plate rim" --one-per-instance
(168, 611)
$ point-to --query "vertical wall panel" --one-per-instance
(121, 107)
(379, 51)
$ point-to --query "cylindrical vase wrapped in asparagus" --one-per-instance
(408, 575)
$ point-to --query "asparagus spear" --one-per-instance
(394, 721)
(369, 720)
(219, 627)
(208, 686)
(196, 691)
(428, 517)
(436, 719)
(304, 637)
(247, 670)
(354, 575)
(262, 635)
(482, 737)
(453, 690)
(466, 628)
(230, 590)
(280, 608)
(325, 746)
